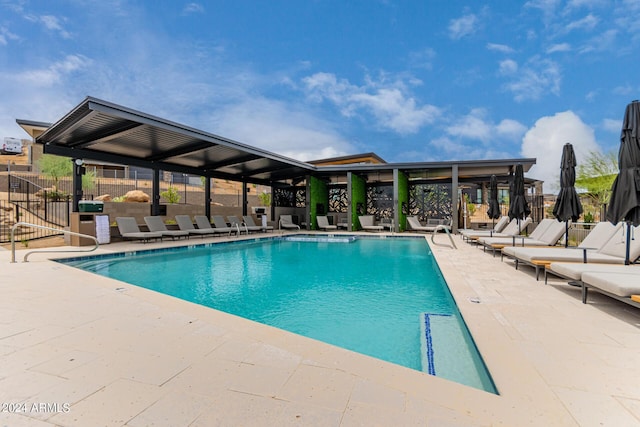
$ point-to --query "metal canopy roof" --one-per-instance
(103, 131)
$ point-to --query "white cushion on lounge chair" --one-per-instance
(574, 270)
(221, 225)
(623, 284)
(415, 225)
(498, 227)
(323, 223)
(248, 219)
(595, 240)
(233, 220)
(367, 223)
(617, 245)
(155, 223)
(547, 233)
(286, 221)
(129, 229)
(185, 224)
(512, 229)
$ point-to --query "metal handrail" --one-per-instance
(26, 224)
(446, 230)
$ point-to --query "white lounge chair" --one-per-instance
(547, 233)
(514, 228)
(155, 223)
(415, 225)
(248, 219)
(606, 243)
(242, 225)
(220, 225)
(343, 222)
(129, 229)
(185, 224)
(623, 285)
(323, 223)
(367, 223)
(497, 228)
(286, 221)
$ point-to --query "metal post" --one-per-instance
(155, 199)
(207, 197)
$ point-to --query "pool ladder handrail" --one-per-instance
(44, 227)
(446, 230)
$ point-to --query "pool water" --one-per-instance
(369, 295)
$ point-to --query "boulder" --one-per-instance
(137, 196)
(104, 198)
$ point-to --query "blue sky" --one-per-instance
(409, 80)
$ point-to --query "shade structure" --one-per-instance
(625, 192)
(518, 206)
(494, 207)
(568, 205)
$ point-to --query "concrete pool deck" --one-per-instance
(78, 349)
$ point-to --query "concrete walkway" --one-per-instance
(78, 349)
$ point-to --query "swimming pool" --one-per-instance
(384, 297)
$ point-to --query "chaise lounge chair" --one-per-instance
(623, 285)
(220, 225)
(156, 224)
(343, 223)
(185, 224)
(433, 224)
(604, 244)
(367, 223)
(286, 221)
(514, 228)
(129, 229)
(242, 225)
(497, 228)
(547, 233)
(323, 223)
(248, 219)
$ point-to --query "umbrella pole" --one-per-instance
(626, 258)
(566, 234)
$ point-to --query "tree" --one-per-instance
(596, 175)
(55, 167)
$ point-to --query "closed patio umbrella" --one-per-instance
(568, 206)
(518, 206)
(625, 192)
(494, 207)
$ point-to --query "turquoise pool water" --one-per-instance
(368, 295)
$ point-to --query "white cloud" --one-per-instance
(612, 125)
(535, 79)
(601, 43)
(559, 47)
(463, 26)
(545, 140)
(422, 59)
(193, 8)
(51, 23)
(476, 126)
(279, 128)
(502, 48)
(52, 75)
(587, 23)
(387, 101)
(6, 35)
(508, 67)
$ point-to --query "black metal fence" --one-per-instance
(47, 213)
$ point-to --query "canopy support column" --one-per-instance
(155, 193)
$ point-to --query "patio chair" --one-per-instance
(129, 229)
(514, 228)
(220, 225)
(368, 224)
(286, 221)
(323, 223)
(604, 244)
(547, 233)
(497, 228)
(185, 224)
(248, 219)
(241, 225)
(155, 223)
(621, 285)
(432, 224)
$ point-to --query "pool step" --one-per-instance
(445, 351)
